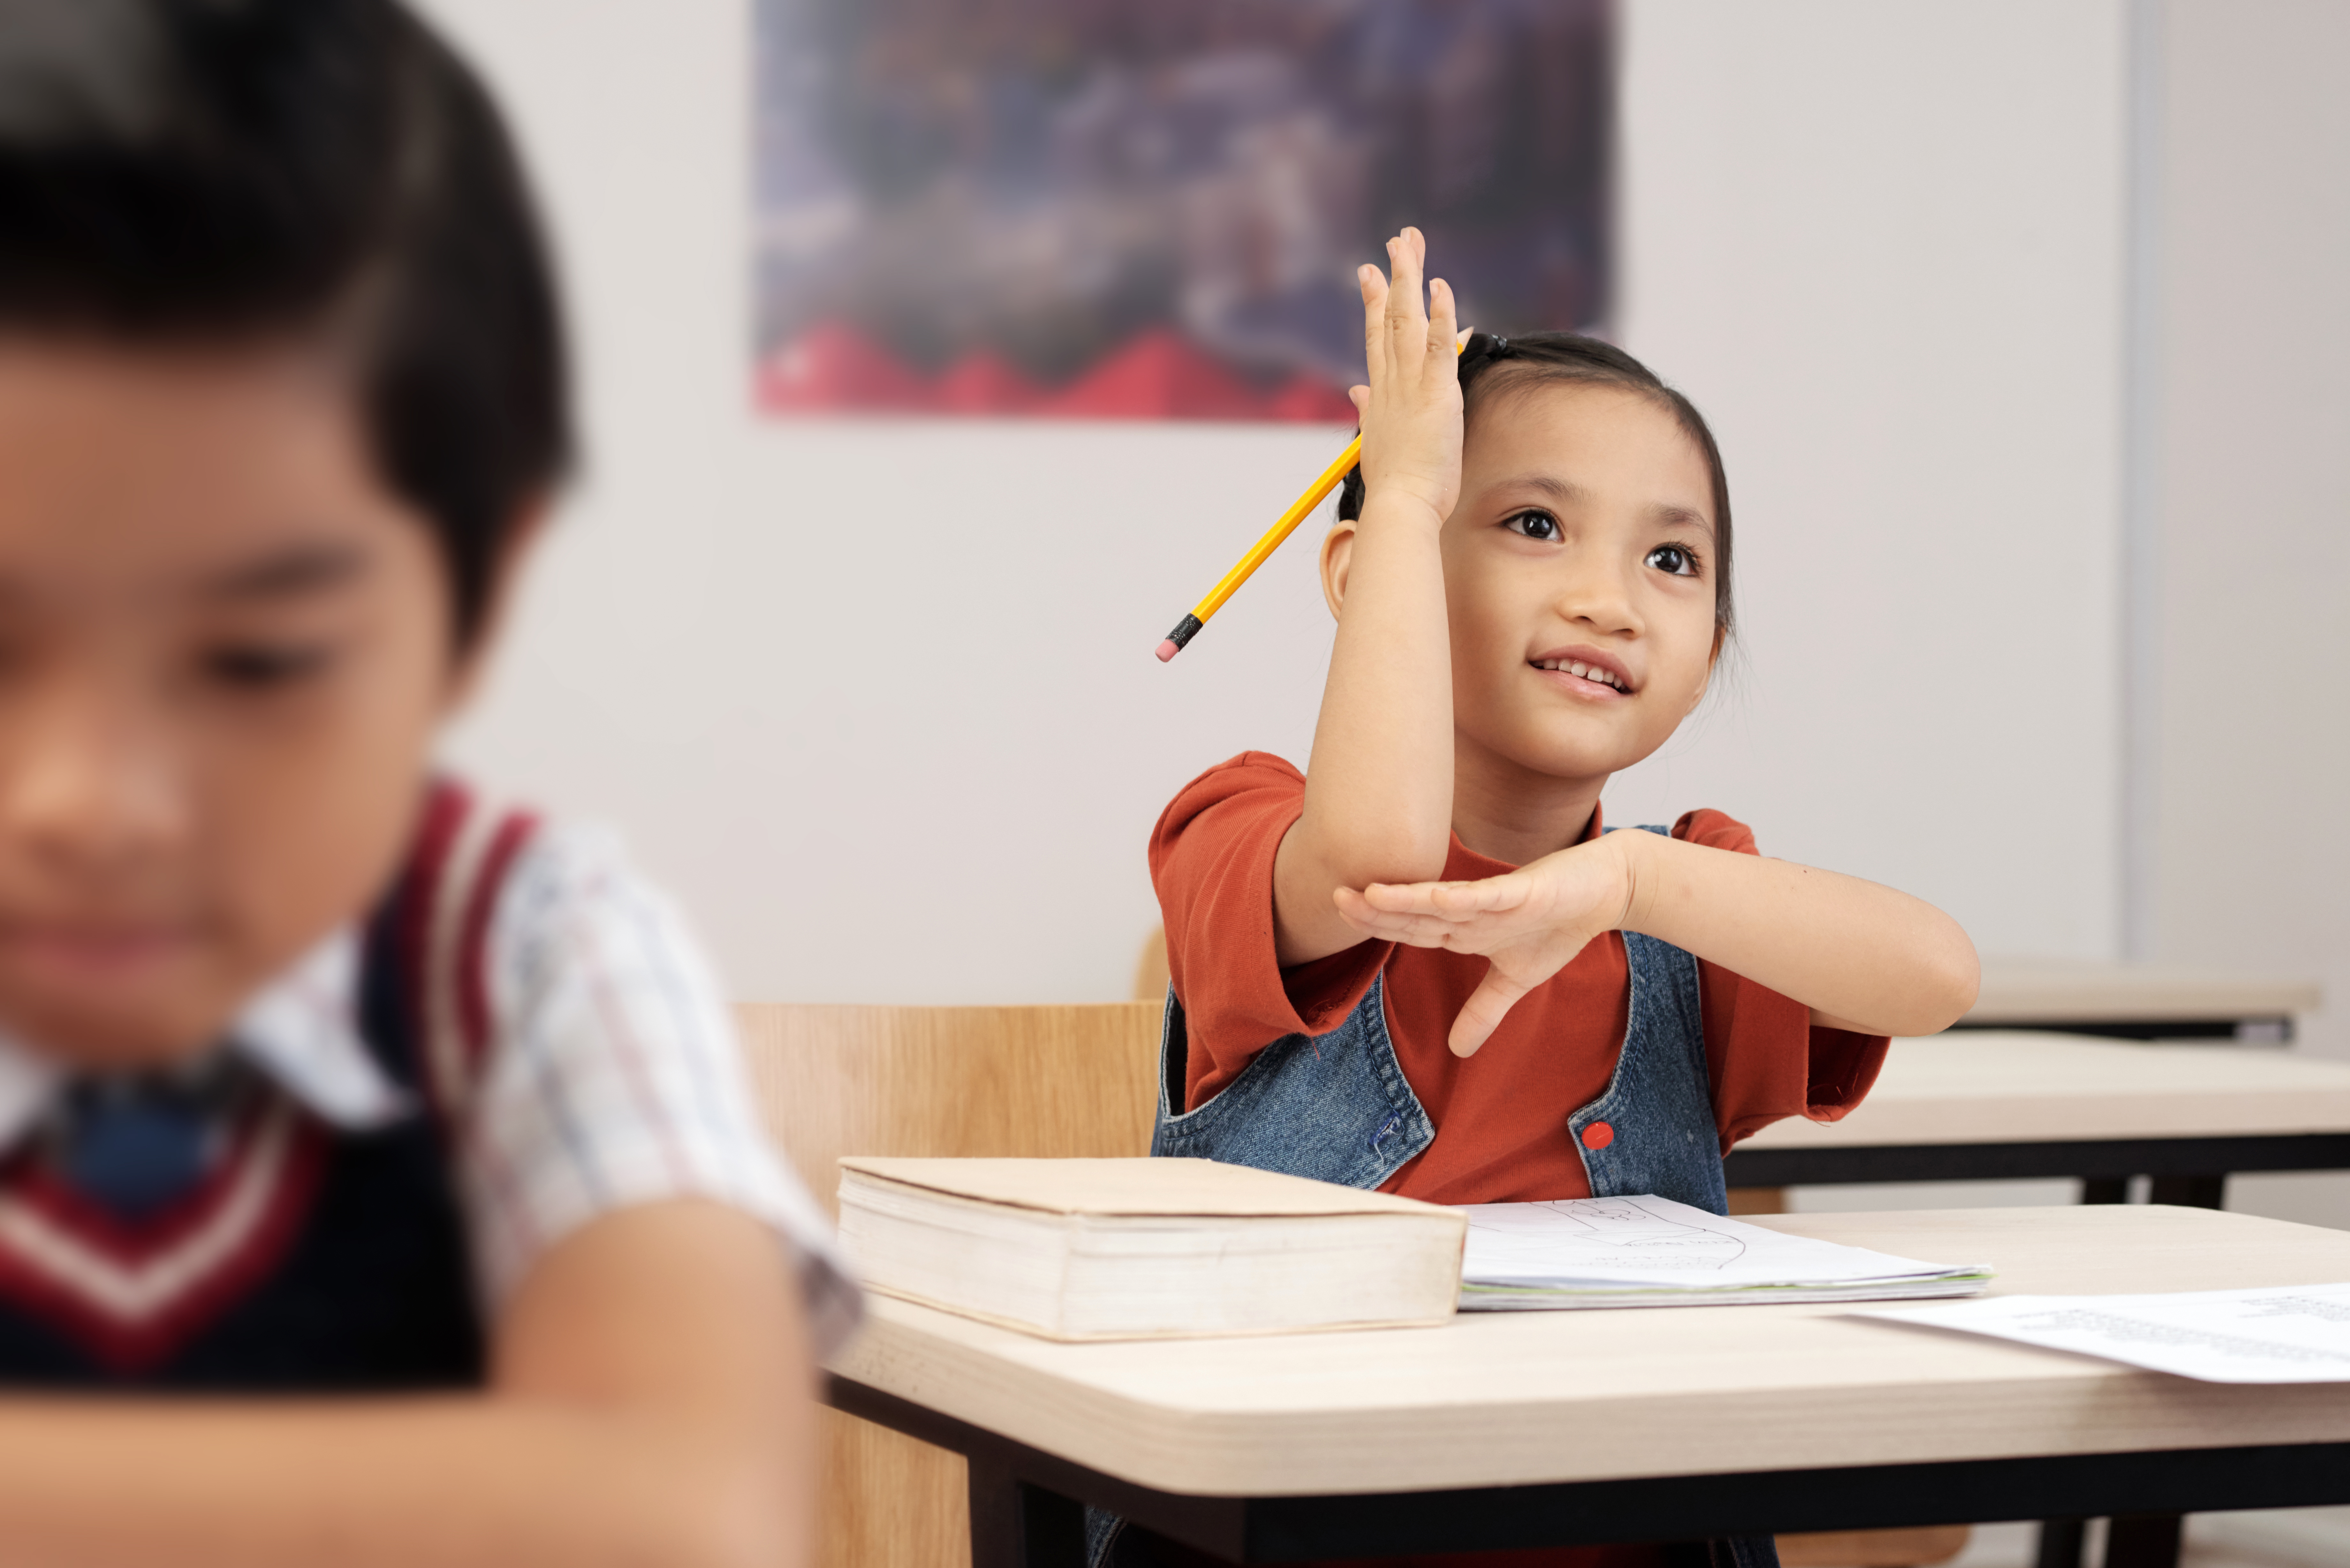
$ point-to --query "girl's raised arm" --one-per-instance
(1379, 789)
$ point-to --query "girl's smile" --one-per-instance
(1585, 672)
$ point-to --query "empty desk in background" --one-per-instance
(1971, 1106)
(2137, 1001)
(1528, 1429)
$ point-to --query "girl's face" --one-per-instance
(1583, 540)
(223, 657)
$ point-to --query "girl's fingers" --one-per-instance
(1495, 895)
(1407, 318)
(1444, 325)
(1483, 1012)
(1417, 930)
(1448, 898)
(1375, 321)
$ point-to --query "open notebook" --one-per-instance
(1653, 1251)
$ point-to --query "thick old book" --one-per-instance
(1140, 1249)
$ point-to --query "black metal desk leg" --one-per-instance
(2143, 1540)
(2191, 1191)
(2061, 1540)
(1016, 1526)
(2151, 1540)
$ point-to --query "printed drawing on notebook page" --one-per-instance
(1596, 1233)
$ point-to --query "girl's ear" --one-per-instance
(1337, 556)
(521, 544)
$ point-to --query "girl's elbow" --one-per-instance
(1394, 860)
(1954, 979)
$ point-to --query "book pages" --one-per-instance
(1652, 1252)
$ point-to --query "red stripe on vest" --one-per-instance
(472, 949)
(128, 1345)
(445, 808)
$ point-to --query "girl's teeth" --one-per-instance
(1586, 671)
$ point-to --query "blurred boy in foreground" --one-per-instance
(320, 1075)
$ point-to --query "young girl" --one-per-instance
(1421, 967)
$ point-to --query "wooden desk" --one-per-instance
(2137, 1001)
(1514, 1430)
(1978, 1106)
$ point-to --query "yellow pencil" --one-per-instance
(1189, 627)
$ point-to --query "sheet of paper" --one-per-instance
(2281, 1334)
(1650, 1241)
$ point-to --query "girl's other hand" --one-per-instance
(1529, 922)
(1411, 410)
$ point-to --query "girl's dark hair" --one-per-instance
(1492, 365)
(217, 170)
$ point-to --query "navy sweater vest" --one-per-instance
(311, 1258)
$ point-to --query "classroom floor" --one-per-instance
(2287, 1538)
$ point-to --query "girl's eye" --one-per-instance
(1533, 525)
(1679, 560)
(259, 667)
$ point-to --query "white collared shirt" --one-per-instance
(613, 1076)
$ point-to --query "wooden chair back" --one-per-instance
(1150, 968)
(1055, 1081)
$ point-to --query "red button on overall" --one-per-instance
(1599, 1134)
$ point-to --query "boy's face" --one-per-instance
(1583, 534)
(225, 651)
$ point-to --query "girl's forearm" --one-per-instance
(1863, 955)
(454, 1481)
(1378, 790)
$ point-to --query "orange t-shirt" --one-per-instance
(1500, 1115)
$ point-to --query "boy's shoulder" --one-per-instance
(489, 890)
(597, 1060)
(500, 899)
(483, 867)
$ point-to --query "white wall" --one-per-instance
(1881, 246)
(878, 701)
(2251, 841)
(2252, 862)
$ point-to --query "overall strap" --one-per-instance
(1652, 1130)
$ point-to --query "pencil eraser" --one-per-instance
(1168, 648)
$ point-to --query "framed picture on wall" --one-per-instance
(1153, 208)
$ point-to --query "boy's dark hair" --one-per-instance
(1490, 365)
(192, 171)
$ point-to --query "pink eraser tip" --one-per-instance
(1168, 649)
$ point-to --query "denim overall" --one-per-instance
(1336, 1107)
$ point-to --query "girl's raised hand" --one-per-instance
(1411, 409)
(1530, 923)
